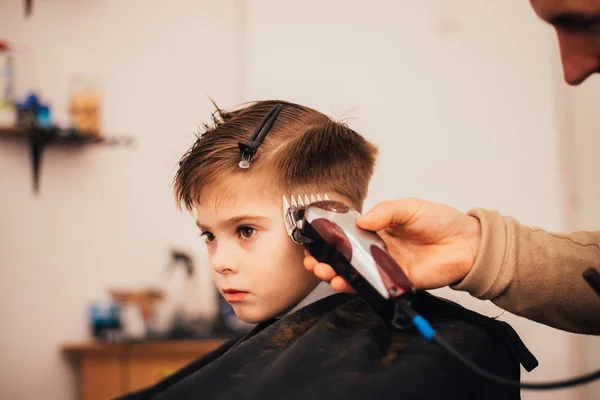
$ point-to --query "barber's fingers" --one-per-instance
(394, 212)
(326, 273)
(338, 283)
(309, 262)
(323, 271)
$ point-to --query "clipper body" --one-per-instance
(328, 231)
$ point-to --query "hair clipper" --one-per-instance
(328, 231)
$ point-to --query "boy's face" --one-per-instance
(254, 263)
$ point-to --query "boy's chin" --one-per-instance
(252, 314)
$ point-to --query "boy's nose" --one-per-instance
(224, 269)
(223, 262)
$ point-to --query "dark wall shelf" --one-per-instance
(39, 138)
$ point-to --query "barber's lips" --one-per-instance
(233, 295)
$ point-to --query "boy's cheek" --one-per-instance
(254, 243)
(210, 249)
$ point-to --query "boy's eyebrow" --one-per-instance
(236, 220)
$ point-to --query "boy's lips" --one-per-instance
(233, 295)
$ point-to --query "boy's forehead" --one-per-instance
(231, 199)
(238, 191)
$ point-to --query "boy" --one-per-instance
(309, 341)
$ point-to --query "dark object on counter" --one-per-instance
(178, 256)
(105, 321)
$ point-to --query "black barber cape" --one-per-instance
(339, 348)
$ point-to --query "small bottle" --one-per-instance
(8, 113)
(43, 118)
(84, 107)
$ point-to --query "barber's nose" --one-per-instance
(223, 262)
(580, 58)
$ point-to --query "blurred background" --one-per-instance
(465, 99)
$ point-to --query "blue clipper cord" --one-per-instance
(429, 333)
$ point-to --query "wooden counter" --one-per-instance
(110, 370)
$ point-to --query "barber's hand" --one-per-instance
(434, 244)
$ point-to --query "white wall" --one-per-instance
(460, 96)
(105, 215)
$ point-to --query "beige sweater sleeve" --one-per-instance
(536, 274)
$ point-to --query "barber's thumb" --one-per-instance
(372, 221)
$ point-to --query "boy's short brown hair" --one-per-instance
(305, 151)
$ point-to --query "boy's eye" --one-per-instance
(246, 232)
(208, 236)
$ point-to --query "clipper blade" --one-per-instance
(303, 200)
(289, 218)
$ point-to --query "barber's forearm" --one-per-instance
(536, 274)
